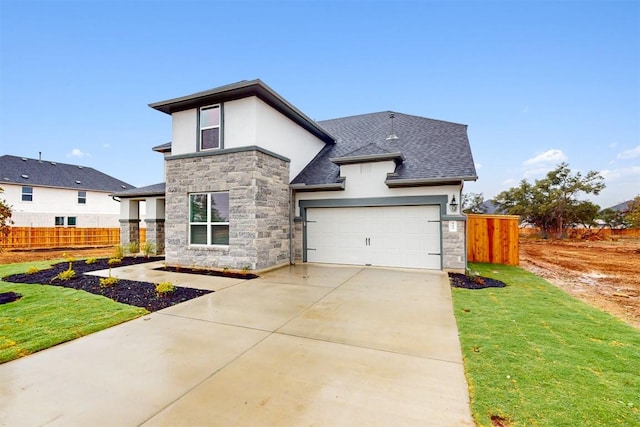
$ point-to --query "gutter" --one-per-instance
(318, 187)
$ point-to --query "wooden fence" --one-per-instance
(63, 237)
(585, 233)
(493, 239)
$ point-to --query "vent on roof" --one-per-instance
(123, 186)
(24, 159)
(79, 167)
(25, 176)
(393, 135)
(78, 182)
(53, 163)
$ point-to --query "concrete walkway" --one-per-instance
(303, 345)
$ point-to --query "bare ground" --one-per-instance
(605, 274)
(13, 256)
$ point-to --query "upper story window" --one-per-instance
(82, 197)
(210, 127)
(27, 194)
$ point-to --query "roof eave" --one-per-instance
(425, 182)
(335, 186)
(397, 157)
(240, 90)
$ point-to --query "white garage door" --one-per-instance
(394, 236)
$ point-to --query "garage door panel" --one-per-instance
(401, 236)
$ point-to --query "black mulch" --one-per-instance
(139, 294)
(473, 282)
(231, 274)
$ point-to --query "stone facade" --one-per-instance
(258, 186)
(155, 234)
(454, 256)
(129, 231)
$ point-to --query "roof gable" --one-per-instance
(43, 173)
(432, 150)
(239, 90)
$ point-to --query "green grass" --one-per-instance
(538, 357)
(50, 315)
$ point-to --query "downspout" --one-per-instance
(292, 212)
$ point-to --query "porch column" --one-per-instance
(155, 224)
(129, 221)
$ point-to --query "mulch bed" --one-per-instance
(139, 294)
(204, 272)
(476, 282)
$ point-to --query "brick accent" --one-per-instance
(258, 209)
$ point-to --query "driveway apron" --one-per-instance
(309, 344)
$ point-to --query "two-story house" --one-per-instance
(253, 183)
(44, 193)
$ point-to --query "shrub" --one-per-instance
(118, 252)
(133, 247)
(33, 270)
(90, 261)
(108, 281)
(148, 248)
(164, 288)
(68, 274)
(114, 260)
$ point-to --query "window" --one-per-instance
(210, 127)
(209, 219)
(71, 221)
(27, 194)
(59, 221)
(82, 197)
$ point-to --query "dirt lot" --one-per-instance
(8, 257)
(605, 274)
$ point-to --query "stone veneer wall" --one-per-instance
(129, 231)
(453, 247)
(258, 186)
(155, 234)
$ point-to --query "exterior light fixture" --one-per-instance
(453, 205)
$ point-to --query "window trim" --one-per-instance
(208, 223)
(75, 221)
(82, 199)
(28, 194)
(202, 128)
(55, 221)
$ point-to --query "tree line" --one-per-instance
(553, 203)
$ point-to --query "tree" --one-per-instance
(632, 213)
(473, 203)
(551, 203)
(5, 219)
(612, 218)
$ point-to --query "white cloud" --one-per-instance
(550, 156)
(76, 152)
(613, 145)
(478, 165)
(106, 145)
(621, 174)
(630, 154)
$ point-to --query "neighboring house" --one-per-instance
(43, 193)
(253, 183)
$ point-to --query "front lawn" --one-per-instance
(49, 315)
(535, 356)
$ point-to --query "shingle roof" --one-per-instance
(432, 149)
(44, 173)
(149, 190)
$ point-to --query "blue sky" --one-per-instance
(537, 83)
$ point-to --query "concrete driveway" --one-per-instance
(304, 345)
